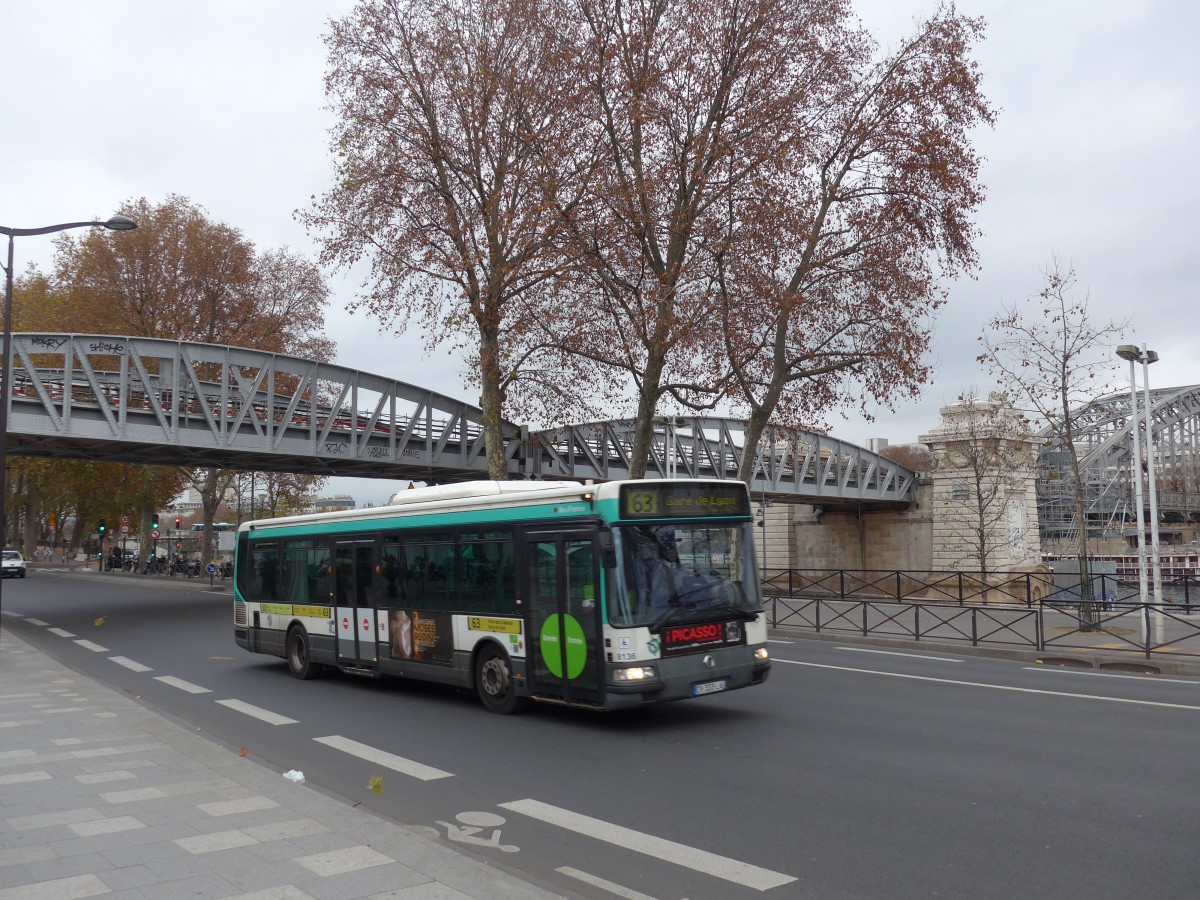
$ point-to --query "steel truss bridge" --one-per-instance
(176, 403)
(1104, 442)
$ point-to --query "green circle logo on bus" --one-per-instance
(552, 655)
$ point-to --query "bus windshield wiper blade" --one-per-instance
(675, 609)
(746, 614)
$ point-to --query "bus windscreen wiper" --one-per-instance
(675, 609)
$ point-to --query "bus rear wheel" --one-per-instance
(494, 682)
(299, 660)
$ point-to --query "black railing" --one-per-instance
(1024, 611)
(1028, 589)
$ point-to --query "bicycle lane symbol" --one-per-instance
(468, 832)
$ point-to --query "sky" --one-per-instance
(223, 102)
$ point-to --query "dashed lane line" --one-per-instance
(257, 712)
(383, 758)
(181, 684)
(130, 664)
(90, 645)
(603, 883)
(669, 851)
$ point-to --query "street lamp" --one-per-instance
(1145, 357)
(1132, 354)
(116, 223)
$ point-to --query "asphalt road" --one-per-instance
(855, 772)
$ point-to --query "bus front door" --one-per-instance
(565, 659)
(354, 597)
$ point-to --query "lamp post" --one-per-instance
(1135, 355)
(1148, 357)
(116, 223)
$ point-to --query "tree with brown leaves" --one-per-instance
(832, 262)
(458, 147)
(183, 276)
(693, 101)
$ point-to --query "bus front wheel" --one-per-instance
(494, 682)
(299, 659)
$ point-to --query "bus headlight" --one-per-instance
(761, 654)
(635, 673)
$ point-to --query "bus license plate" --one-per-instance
(709, 687)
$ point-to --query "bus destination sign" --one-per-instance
(683, 501)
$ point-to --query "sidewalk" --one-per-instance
(101, 796)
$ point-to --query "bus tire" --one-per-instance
(299, 657)
(494, 682)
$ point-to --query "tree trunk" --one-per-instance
(751, 437)
(643, 429)
(209, 500)
(491, 401)
(29, 504)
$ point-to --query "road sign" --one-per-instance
(124, 528)
(211, 568)
(125, 519)
(154, 535)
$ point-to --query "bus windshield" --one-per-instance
(683, 571)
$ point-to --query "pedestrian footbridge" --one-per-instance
(178, 403)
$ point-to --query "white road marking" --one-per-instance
(659, 848)
(994, 687)
(130, 664)
(88, 645)
(777, 641)
(258, 712)
(898, 653)
(181, 684)
(37, 622)
(382, 758)
(61, 633)
(610, 886)
(1153, 678)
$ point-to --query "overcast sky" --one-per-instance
(223, 102)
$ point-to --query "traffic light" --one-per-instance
(178, 522)
(100, 527)
(154, 523)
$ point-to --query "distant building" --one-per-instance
(328, 504)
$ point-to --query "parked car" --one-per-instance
(13, 564)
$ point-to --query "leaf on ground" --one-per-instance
(376, 784)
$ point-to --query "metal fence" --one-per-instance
(1027, 589)
(1025, 610)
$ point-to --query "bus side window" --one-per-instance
(264, 583)
(295, 572)
(430, 582)
(320, 578)
(392, 569)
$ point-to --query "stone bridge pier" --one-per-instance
(974, 506)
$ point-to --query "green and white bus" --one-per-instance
(603, 596)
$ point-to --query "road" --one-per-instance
(855, 772)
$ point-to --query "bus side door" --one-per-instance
(355, 587)
(562, 611)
